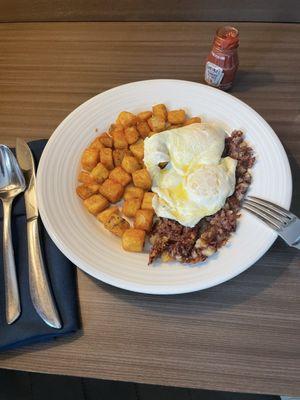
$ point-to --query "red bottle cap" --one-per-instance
(226, 38)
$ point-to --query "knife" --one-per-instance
(40, 290)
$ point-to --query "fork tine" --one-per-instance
(265, 218)
(280, 218)
(274, 207)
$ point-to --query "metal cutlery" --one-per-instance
(12, 183)
(286, 224)
(40, 290)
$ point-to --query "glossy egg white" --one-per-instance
(196, 181)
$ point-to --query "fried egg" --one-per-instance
(189, 175)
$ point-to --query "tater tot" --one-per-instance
(115, 127)
(87, 190)
(96, 203)
(144, 115)
(132, 192)
(116, 224)
(133, 240)
(143, 128)
(137, 149)
(106, 139)
(96, 144)
(143, 219)
(118, 174)
(112, 190)
(119, 139)
(85, 177)
(176, 117)
(147, 201)
(106, 158)
(142, 179)
(89, 158)
(131, 134)
(130, 164)
(105, 215)
(131, 206)
(126, 119)
(194, 120)
(100, 173)
(157, 123)
(118, 155)
(160, 110)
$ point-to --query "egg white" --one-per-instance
(196, 181)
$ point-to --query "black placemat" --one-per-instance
(30, 328)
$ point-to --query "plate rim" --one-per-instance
(137, 287)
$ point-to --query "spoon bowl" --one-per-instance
(12, 181)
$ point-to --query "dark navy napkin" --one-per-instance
(30, 328)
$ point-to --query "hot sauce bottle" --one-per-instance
(222, 62)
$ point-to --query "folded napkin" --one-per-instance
(30, 328)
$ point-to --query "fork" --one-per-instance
(286, 224)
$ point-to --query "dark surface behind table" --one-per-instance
(16, 385)
(150, 10)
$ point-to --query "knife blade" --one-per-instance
(40, 289)
(26, 162)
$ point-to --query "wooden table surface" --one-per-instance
(240, 336)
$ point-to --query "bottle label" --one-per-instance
(213, 74)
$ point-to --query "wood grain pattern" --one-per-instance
(240, 336)
(149, 10)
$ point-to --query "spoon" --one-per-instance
(12, 183)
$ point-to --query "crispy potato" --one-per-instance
(137, 149)
(119, 175)
(147, 201)
(143, 128)
(194, 120)
(131, 134)
(85, 177)
(126, 119)
(128, 153)
(105, 215)
(119, 139)
(133, 240)
(132, 192)
(143, 220)
(89, 158)
(176, 117)
(165, 257)
(142, 179)
(160, 110)
(99, 173)
(106, 158)
(87, 190)
(210, 250)
(131, 206)
(96, 203)
(96, 144)
(106, 140)
(116, 224)
(144, 115)
(112, 190)
(118, 155)
(130, 164)
(115, 127)
(153, 133)
(157, 123)
(174, 126)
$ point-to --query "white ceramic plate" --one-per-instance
(83, 239)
